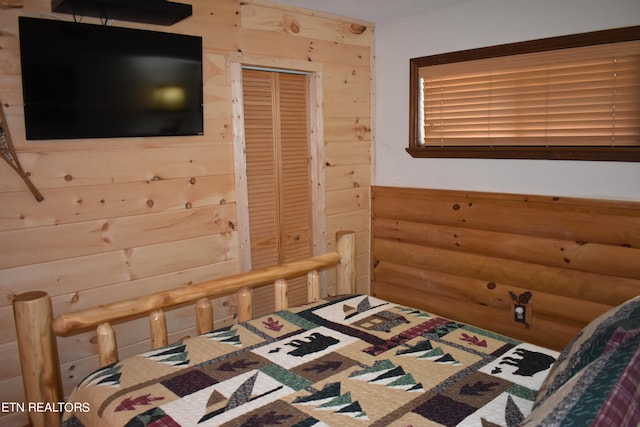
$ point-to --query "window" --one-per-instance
(572, 97)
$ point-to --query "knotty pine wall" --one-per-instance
(460, 254)
(122, 217)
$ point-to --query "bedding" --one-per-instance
(603, 334)
(596, 379)
(606, 392)
(349, 361)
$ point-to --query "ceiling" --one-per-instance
(371, 10)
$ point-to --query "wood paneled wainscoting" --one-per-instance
(475, 256)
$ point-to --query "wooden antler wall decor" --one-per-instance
(8, 153)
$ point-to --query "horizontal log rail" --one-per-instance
(69, 323)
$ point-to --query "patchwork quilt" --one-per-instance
(350, 361)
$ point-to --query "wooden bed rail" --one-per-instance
(37, 330)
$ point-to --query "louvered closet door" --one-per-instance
(278, 175)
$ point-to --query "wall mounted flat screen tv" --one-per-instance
(96, 81)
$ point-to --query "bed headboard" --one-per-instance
(475, 256)
(36, 328)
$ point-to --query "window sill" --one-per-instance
(624, 154)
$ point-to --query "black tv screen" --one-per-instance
(97, 81)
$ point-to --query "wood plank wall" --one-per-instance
(462, 254)
(128, 216)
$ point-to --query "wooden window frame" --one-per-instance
(606, 153)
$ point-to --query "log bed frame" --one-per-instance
(37, 329)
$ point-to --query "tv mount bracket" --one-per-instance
(159, 12)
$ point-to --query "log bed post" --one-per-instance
(158, 327)
(38, 355)
(281, 294)
(346, 268)
(313, 286)
(204, 316)
(107, 345)
(245, 304)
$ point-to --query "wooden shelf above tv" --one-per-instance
(159, 12)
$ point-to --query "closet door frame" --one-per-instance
(238, 61)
